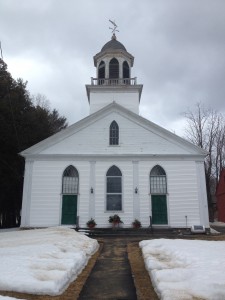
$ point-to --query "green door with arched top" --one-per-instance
(69, 210)
(159, 210)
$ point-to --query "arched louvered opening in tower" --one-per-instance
(113, 68)
(126, 70)
(101, 70)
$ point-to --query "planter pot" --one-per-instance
(136, 226)
(115, 224)
(91, 226)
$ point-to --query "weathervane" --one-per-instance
(115, 26)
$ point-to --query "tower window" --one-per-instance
(101, 70)
(113, 68)
(114, 189)
(126, 70)
(114, 134)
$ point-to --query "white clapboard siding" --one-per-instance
(101, 215)
(46, 198)
(182, 198)
(133, 139)
(128, 100)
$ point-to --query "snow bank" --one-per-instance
(183, 269)
(43, 261)
(221, 224)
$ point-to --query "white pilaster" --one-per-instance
(92, 186)
(27, 186)
(202, 195)
(136, 200)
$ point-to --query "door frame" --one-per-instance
(167, 208)
(61, 210)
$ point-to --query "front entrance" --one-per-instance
(69, 209)
(159, 210)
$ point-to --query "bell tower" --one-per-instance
(113, 81)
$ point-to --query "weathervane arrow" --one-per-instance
(115, 26)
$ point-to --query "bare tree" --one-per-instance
(206, 129)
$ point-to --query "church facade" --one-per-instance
(114, 162)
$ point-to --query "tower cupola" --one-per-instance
(113, 81)
(113, 62)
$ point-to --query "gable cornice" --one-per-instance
(112, 107)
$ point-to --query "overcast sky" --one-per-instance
(178, 45)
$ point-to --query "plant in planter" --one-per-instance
(115, 220)
(91, 223)
(136, 223)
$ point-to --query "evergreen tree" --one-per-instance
(22, 124)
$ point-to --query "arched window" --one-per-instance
(158, 180)
(101, 70)
(70, 181)
(114, 189)
(113, 68)
(126, 70)
(114, 134)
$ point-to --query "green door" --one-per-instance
(159, 209)
(69, 209)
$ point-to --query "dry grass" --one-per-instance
(144, 288)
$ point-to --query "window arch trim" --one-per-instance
(158, 181)
(70, 181)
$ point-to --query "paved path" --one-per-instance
(111, 277)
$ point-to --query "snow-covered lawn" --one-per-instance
(184, 269)
(43, 261)
(6, 298)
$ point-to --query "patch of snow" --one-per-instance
(213, 231)
(43, 261)
(217, 224)
(184, 269)
(9, 229)
(7, 298)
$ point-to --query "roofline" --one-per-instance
(128, 156)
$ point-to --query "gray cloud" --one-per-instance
(178, 46)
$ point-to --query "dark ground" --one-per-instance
(111, 278)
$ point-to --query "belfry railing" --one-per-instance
(113, 81)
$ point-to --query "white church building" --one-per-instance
(114, 162)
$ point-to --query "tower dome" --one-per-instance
(113, 49)
(113, 44)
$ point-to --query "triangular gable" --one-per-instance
(76, 133)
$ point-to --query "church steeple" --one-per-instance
(113, 81)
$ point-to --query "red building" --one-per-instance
(220, 196)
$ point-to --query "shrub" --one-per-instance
(91, 223)
(115, 219)
(136, 223)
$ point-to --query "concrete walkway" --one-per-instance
(111, 277)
